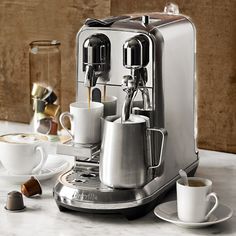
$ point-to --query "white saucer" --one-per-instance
(168, 211)
(54, 165)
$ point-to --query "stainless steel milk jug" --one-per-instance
(125, 158)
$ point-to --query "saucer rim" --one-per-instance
(41, 177)
(178, 222)
(66, 163)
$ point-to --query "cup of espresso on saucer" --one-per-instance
(22, 154)
(193, 200)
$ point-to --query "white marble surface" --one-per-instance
(42, 216)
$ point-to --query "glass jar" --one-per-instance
(45, 64)
(45, 82)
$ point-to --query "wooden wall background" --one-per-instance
(215, 21)
(22, 21)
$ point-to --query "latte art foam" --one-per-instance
(21, 138)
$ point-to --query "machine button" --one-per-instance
(145, 19)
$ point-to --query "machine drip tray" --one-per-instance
(81, 178)
(80, 189)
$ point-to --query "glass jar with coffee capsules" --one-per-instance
(45, 80)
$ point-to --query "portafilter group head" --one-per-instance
(136, 52)
(96, 58)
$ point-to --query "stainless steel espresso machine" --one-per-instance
(148, 63)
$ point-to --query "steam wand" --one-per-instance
(130, 86)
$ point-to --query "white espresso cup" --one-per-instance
(22, 154)
(193, 201)
(85, 121)
(110, 105)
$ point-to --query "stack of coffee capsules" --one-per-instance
(45, 110)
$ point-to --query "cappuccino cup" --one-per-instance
(193, 201)
(85, 121)
(22, 154)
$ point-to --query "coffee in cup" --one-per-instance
(196, 183)
(22, 153)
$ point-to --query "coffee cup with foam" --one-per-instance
(22, 154)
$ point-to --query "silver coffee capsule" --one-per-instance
(44, 125)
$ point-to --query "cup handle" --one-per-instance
(61, 118)
(42, 161)
(215, 205)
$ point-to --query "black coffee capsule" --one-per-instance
(14, 201)
(51, 97)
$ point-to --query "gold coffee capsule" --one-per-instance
(38, 91)
(52, 110)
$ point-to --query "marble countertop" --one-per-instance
(42, 216)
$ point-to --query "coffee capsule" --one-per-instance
(44, 125)
(14, 201)
(31, 187)
(52, 110)
(38, 91)
(54, 128)
(51, 97)
(39, 105)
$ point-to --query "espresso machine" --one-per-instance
(148, 63)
